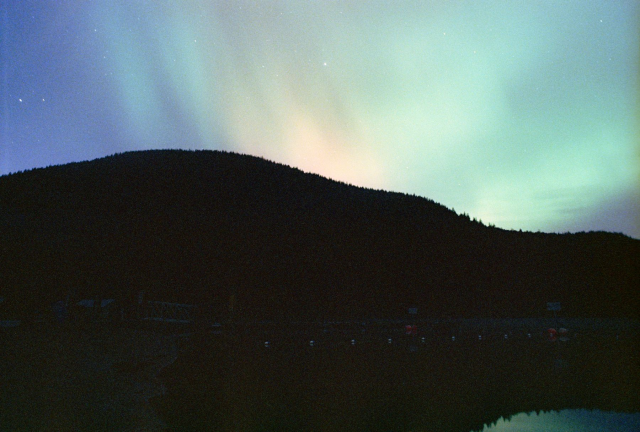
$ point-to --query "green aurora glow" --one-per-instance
(520, 113)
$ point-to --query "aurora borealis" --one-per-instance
(523, 114)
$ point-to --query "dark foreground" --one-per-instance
(411, 384)
(273, 378)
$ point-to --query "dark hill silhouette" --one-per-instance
(200, 226)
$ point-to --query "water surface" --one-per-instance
(568, 421)
(410, 384)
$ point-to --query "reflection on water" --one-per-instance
(410, 384)
(568, 421)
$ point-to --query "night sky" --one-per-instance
(523, 114)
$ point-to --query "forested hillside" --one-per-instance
(201, 226)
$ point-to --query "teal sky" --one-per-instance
(523, 114)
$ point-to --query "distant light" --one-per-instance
(506, 336)
(389, 340)
(311, 343)
(422, 339)
(479, 337)
(267, 344)
(353, 341)
(453, 338)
